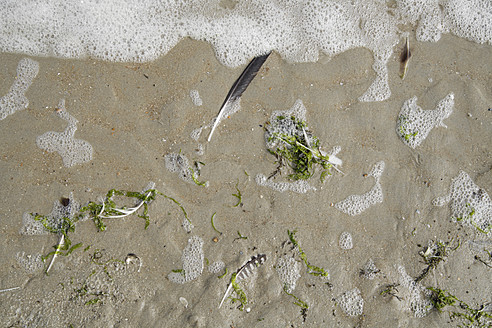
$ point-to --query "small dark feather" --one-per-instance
(405, 54)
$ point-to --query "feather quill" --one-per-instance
(245, 271)
(239, 87)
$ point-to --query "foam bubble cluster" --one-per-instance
(351, 302)
(192, 259)
(15, 99)
(416, 296)
(288, 272)
(345, 240)
(73, 151)
(369, 271)
(299, 186)
(31, 263)
(187, 225)
(414, 124)
(195, 97)
(470, 204)
(356, 204)
(216, 267)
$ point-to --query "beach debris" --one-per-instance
(471, 317)
(345, 241)
(470, 204)
(238, 196)
(242, 273)
(8, 289)
(67, 212)
(192, 259)
(434, 254)
(289, 140)
(238, 88)
(61, 221)
(213, 226)
(178, 163)
(351, 302)
(102, 284)
(479, 248)
(73, 151)
(183, 301)
(356, 204)
(132, 258)
(405, 58)
(240, 236)
(369, 271)
(195, 97)
(15, 99)
(414, 124)
(108, 209)
(313, 270)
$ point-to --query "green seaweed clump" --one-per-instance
(434, 255)
(292, 144)
(471, 317)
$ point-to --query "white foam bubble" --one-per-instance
(351, 302)
(195, 98)
(414, 124)
(216, 267)
(187, 225)
(178, 163)
(32, 263)
(415, 296)
(369, 271)
(192, 260)
(288, 272)
(345, 241)
(356, 204)
(73, 151)
(15, 99)
(470, 204)
(299, 186)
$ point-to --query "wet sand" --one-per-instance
(135, 114)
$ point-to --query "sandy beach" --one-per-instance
(133, 115)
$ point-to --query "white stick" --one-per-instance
(8, 289)
(62, 241)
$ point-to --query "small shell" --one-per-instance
(130, 258)
(184, 302)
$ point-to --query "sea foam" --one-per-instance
(298, 30)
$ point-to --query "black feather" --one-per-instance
(240, 86)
